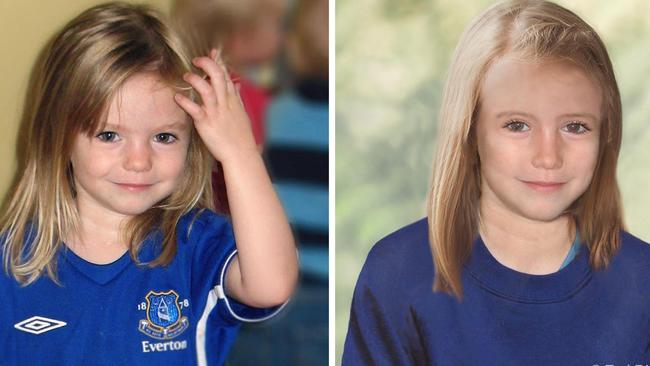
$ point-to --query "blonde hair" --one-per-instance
(81, 70)
(536, 30)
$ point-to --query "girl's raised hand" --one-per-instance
(220, 119)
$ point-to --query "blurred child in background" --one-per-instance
(296, 153)
(297, 133)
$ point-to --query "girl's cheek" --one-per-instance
(181, 161)
(586, 153)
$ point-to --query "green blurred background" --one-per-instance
(391, 58)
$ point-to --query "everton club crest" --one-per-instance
(164, 318)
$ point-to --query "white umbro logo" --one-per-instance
(39, 324)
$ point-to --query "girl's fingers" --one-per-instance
(238, 94)
(216, 75)
(202, 86)
(215, 54)
(194, 110)
(230, 87)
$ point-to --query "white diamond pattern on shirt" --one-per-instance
(39, 325)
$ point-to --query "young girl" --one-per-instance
(111, 253)
(523, 259)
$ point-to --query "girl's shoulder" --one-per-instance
(407, 244)
(631, 242)
(634, 252)
(202, 222)
(204, 216)
(401, 261)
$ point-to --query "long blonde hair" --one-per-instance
(535, 30)
(81, 70)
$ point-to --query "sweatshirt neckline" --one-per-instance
(101, 274)
(522, 287)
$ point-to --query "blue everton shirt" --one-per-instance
(575, 316)
(124, 314)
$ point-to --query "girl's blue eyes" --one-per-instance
(107, 136)
(163, 138)
(576, 128)
(517, 126)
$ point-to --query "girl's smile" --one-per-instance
(544, 186)
(134, 187)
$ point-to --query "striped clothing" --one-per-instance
(297, 157)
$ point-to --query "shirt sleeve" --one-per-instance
(381, 330)
(238, 310)
(215, 252)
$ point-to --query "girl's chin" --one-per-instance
(544, 215)
(132, 210)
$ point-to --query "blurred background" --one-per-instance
(391, 59)
(277, 51)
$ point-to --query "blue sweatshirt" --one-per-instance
(575, 316)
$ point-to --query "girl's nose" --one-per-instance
(138, 157)
(547, 150)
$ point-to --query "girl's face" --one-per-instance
(139, 157)
(538, 135)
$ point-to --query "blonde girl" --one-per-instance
(523, 259)
(111, 252)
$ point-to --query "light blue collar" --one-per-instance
(575, 247)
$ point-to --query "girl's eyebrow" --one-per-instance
(169, 126)
(173, 126)
(582, 115)
(511, 113)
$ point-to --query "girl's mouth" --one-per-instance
(134, 187)
(544, 186)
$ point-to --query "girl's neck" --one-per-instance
(525, 245)
(98, 240)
